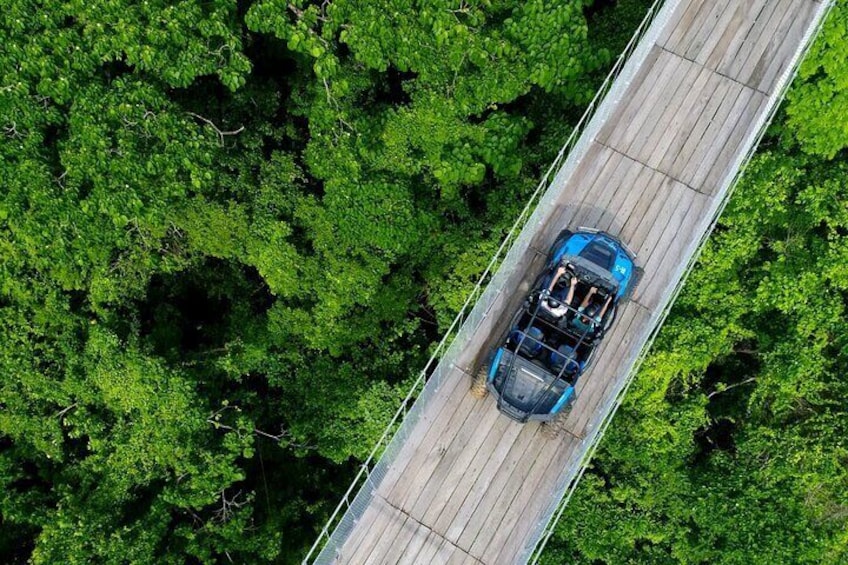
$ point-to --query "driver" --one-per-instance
(558, 308)
(590, 314)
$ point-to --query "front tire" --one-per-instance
(638, 273)
(561, 238)
(478, 387)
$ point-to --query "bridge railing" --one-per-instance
(491, 283)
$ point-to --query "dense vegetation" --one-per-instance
(231, 231)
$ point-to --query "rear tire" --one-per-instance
(478, 387)
(556, 427)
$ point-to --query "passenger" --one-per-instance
(588, 298)
(553, 306)
(589, 314)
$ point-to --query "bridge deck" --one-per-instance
(470, 485)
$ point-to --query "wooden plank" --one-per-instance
(577, 186)
(710, 179)
(431, 426)
(726, 92)
(672, 107)
(779, 62)
(749, 33)
(652, 105)
(682, 25)
(509, 548)
(384, 546)
(661, 281)
(627, 104)
(413, 548)
(675, 129)
(491, 479)
(471, 560)
(775, 58)
(667, 227)
(432, 545)
(357, 536)
(660, 108)
(581, 197)
(666, 224)
(445, 552)
(637, 184)
(458, 557)
(538, 480)
(721, 133)
(382, 519)
(404, 537)
(464, 445)
(430, 452)
(603, 191)
(758, 40)
(498, 439)
(654, 191)
(728, 48)
(492, 502)
(706, 25)
(634, 117)
(442, 400)
(478, 474)
(691, 130)
(658, 211)
(717, 132)
(726, 28)
(654, 263)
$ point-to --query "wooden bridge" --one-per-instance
(464, 484)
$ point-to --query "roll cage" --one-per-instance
(555, 334)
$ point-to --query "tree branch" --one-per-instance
(221, 133)
(716, 392)
(64, 411)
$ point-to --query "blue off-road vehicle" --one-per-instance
(551, 339)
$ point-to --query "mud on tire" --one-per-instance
(556, 427)
(478, 387)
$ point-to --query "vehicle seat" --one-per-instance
(564, 357)
(529, 347)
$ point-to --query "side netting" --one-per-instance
(570, 480)
(515, 245)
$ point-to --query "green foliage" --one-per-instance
(818, 104)
(231, 232)
(229, 235)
